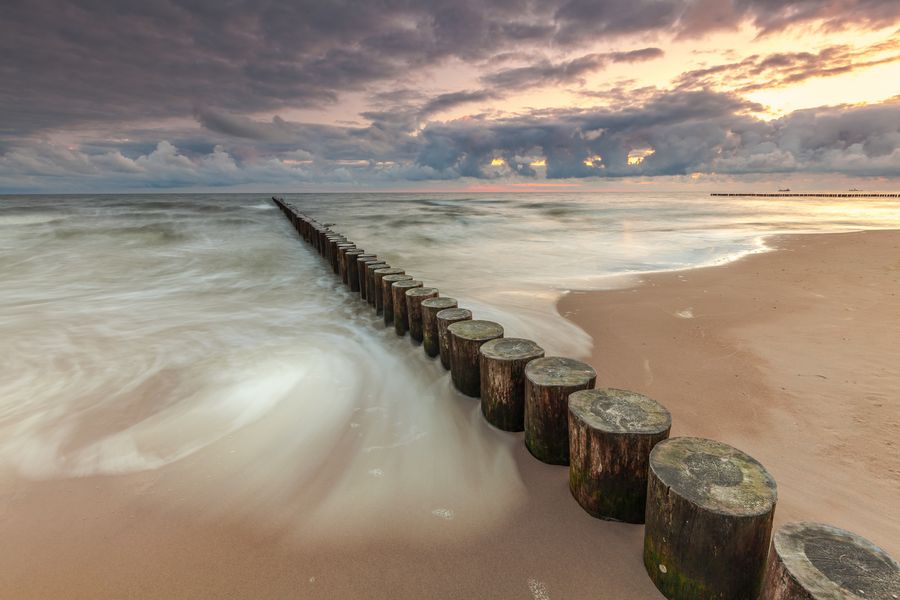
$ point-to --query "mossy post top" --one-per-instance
(511, 349)
(476, 330)
(395, 277)
(835, 564)
(715, 476)
(406, 283)
(389, 271)
(440, 303)
(559, 371)
(454, 314)
(421, 291)
(620, 411)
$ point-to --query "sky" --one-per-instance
(477, 95)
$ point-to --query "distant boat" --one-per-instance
(785, 190)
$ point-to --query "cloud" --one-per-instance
(676, 133)
(73, 62)
(547, 73)
(789, 68)
(673, 133)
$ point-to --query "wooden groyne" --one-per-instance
(708, 507)
(806, 195)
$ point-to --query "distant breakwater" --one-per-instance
(809, 195)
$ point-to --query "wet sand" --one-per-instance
(788, 355)
(791, 356)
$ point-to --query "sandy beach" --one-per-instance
(788, 355)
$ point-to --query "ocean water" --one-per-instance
(196, 338)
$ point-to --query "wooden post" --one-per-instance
(398, 291)
(342, 260)
(503, 364)
(331, 240)
(352, 270)
(414, 299)
(333, 251)
(611, 434)
(363, 265)
(430, 308)
(379, 290)
(360, 273)
(813, 561)
(370, 279)
(445, 318)
(709, 520)
(387, 295)
(466, 337)
(548, 383)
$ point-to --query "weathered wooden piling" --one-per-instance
(708, 520)
(814, 561)
(333, 242)
(414, 299)
(387, 295)
(370, 279)
(341, 259)
(350, 257)
(503, 364)
(379, 290)
(611, 434)
(430, 308)
(548, 383)
(445, 318)
(400, 315)
(363, 265)
(466, 338)
(357, 283)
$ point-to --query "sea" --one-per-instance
(196, 336)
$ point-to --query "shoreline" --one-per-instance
(785, 354)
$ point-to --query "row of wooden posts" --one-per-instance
(707, 507)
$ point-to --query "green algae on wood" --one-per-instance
(445, 318)
(611, 434)
(708, 520)
(398, 301)
(387, 296)
(502, 365)
(548, 383)
(430, 308)
(814, 561)
(414, 299)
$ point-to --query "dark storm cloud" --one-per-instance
(66, 63)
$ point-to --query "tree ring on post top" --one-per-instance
(475, 330)
(559, 371)
(440, 303)
(835, 564)
(714, 476)
(511, 349)
(620, 411)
